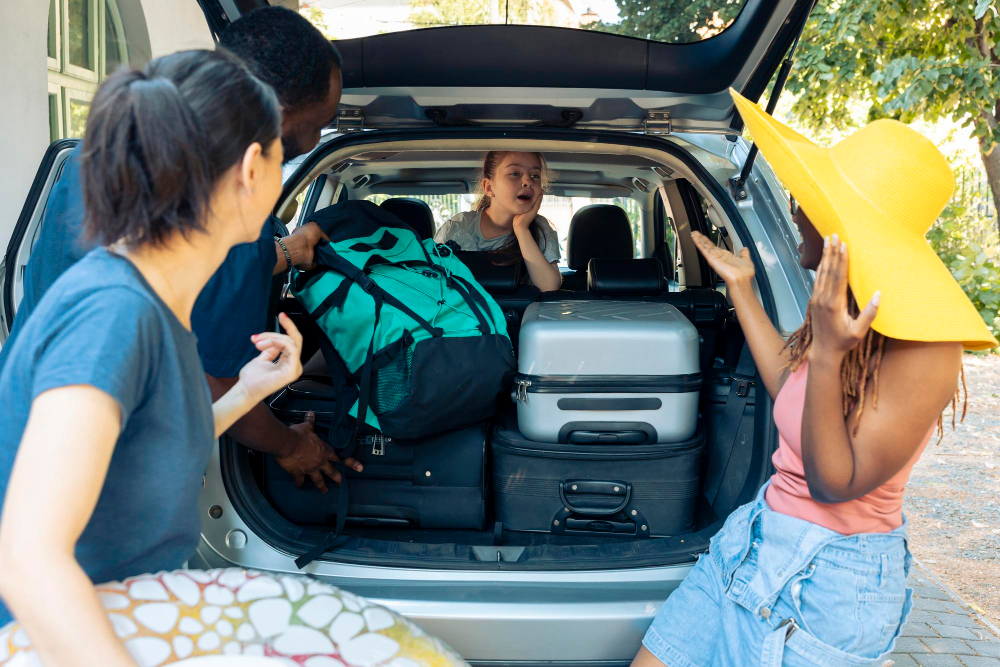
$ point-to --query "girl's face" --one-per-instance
(516, 183)
(811, 248)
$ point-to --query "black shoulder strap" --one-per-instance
(361, 428)
(732, 415)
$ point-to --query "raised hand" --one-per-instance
(263, 376)
(731, 268)
(835, 331)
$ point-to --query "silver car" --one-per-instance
(643, 124)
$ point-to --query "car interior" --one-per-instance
(604, 260)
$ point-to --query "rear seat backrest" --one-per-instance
(504, 284)
(629, 277)
(596, 231)
(414, 212)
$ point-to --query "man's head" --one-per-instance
(286, 51)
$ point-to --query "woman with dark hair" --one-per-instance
(505, 220)
(813, 571)
(107, 421)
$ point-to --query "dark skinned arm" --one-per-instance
(300, 244)
(916, 382)
(297, 448)
(766, 344)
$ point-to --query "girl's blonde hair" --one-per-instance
(510, 253)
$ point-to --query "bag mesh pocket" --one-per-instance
(392, 383)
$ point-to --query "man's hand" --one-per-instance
(312, 457)
(302, 244)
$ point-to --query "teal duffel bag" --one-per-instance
(423, 344)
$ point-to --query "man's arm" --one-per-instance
(300, 244)
(297, 448)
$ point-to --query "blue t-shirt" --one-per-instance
(231, 308)
(102, 325)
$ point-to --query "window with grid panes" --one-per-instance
(86, 42)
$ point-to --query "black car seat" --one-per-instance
(596, 231)
(506, 284)
(414, 212)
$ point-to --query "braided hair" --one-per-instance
(860, 368)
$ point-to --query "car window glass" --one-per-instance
(558, 211)
(672, 21)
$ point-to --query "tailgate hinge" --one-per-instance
(350, 120)
(657, 122)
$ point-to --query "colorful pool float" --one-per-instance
(176, 618)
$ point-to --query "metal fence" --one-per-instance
(972, 190)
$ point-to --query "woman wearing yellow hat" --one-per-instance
(813, 572)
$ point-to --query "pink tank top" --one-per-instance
(877, 512)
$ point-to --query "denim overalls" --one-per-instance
(775, 590)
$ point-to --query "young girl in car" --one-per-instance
(813, 572)
(505, 220)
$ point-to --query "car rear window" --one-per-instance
(673, 21)
(557, 210)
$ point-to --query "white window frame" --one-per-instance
(73, 82)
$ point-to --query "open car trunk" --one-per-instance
(739, 443)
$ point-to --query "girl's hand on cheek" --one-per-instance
(835, 331)
(523, 222)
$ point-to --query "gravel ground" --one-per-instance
(953, 498)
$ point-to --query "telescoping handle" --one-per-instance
(589, 487)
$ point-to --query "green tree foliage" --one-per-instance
(908, 59)
(431, 13)
(676, 21)
(315, 16)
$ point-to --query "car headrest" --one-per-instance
(494, 279)
(632, 277)
(414, 212)
(599, 230)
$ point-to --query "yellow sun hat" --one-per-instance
(879, 190)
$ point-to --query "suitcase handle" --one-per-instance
(606, 438)
(591, 487)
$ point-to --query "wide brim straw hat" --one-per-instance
(879, 190)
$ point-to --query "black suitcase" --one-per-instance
(636, 491)
(433, 482)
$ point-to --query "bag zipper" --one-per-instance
(606, 384)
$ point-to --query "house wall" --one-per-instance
(170, 25)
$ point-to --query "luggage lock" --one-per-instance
(521, 390)
(377, 442)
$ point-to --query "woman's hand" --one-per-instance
(730, 267)
(263, 376)
(523, 222)
(835, 331)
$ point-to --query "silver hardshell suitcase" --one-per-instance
(603, 372)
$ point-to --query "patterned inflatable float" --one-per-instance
(176, 618)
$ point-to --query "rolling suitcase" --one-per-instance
(636, 491)
(622, 372)
(437, 481)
